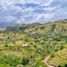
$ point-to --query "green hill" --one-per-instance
(27, 45)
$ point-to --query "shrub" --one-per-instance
(65, 65)
(25, 61)
(59, 65)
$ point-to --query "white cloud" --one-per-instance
(49, 16)
(47, 2)
(10, 18)
(47, 10)
(39, 18)
(7, 3)
(50, 8)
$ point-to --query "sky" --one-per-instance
(31, 11)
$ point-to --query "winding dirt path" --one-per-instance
(46, 61)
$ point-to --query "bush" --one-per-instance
(65, 65)
(6, 45)
(10, 60)
(25, 61)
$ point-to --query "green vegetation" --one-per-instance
(28, 45)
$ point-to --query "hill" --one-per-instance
(28, 45)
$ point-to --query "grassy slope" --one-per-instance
(34, 41)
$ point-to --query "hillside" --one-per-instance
(28, 45)
(60, 26)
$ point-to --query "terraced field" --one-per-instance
(60, 58)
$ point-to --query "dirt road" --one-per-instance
(46, 61)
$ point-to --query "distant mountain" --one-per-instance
(36, 28)
(6, 24)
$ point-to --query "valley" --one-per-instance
(34, 45)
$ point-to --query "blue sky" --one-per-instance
(30, 11)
